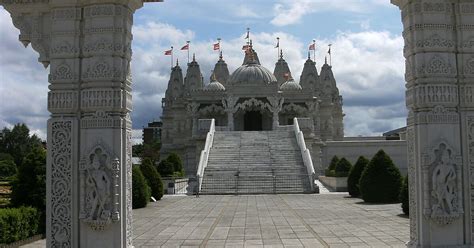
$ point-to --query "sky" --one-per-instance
(366, 53)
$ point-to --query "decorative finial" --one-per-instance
(281, 54)
(194, 57)
(250, 44)
(252, 58)
(325, 60)
(177, 63)
(309, 56)
(220, 55)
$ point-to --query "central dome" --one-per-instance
(252, 73)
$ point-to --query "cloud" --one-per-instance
(368, 67)
(287, 12)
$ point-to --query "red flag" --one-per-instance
(168, 52)
(312, 47)
(217, 46)
(185, 47)
(245, 47)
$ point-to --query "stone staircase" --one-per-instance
(255, 162)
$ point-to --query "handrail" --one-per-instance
(205, 154)
(308, 162)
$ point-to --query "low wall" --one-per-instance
(351, 150)
(338, 184)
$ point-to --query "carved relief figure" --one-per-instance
(443, 182)
(99, 184)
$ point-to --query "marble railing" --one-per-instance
(207, 148)
(308, 162)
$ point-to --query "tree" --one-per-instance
(151, 151)
(29, 186)
(165, 168)
(140, 190)
(174, 159)
(342, 168)
(18, 142)
(153, 179)
(404, 198)
(381, 180)
(7, 166)
(354, 176)
(137, 150)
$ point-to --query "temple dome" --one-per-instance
(252, 73)
(290, 85)
(214, 86)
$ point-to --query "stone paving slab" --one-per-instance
(325, 220)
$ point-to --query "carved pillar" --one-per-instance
(230, 107)
(192, 110)
(439, 73)
(275, 106)
(88, 49)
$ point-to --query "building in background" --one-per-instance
(152, 132)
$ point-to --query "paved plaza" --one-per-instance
(325, 220)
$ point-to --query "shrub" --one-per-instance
(165, 168)
(404, 196)
(354, 176)
(18, 223)
(140, 190)
(330, 171)
(174, 159)
(381, 180)
(153, 179)
(342, 168)
(7, 169)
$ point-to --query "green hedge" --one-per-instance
(153, 178)
(141, 192)
(18, 224)
(381, 180)
(342, 168)
(354, 176)
(404, 196)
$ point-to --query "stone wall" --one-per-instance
(351, 150)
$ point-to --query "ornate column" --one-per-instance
(192, 110)
(275, 106)
(439, 48)
(88, 48)
(230, 107)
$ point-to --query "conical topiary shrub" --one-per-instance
(153, 178)
(140, 190)
(330, 171)
(343, 167)
(381, 180)
(404, 196)
(354, 176)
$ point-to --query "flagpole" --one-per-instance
(314, 51)
(219, 42)
(171, 57)
(187, 42)
(278, 46)
(330, 56)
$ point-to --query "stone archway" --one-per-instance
(87, 46)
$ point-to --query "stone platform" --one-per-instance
(326, 220)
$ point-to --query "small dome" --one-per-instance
(290, 85)
(214, 86)
(252, 73)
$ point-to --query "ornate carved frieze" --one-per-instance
(432, 94)
(427, 26)
(99, 188)
(442, 191)
(436, 66)
(101, 119)
(275, 103)
(230, 104)
(412, 184)
(102, 70)
(435, 41)
(470, 143)
(436, 7)
(102, 98)
(62, 73)
(469, 66)
(439, 115)
(106, 47)
(65, 100)
(294, 108)
(468, 43)
(64, 48)
(466, 8)
(128, 184)
(467, 95)
(192, 108)
(61, 184)
(65, 13)
(211, 109)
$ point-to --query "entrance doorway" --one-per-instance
(253, 121)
